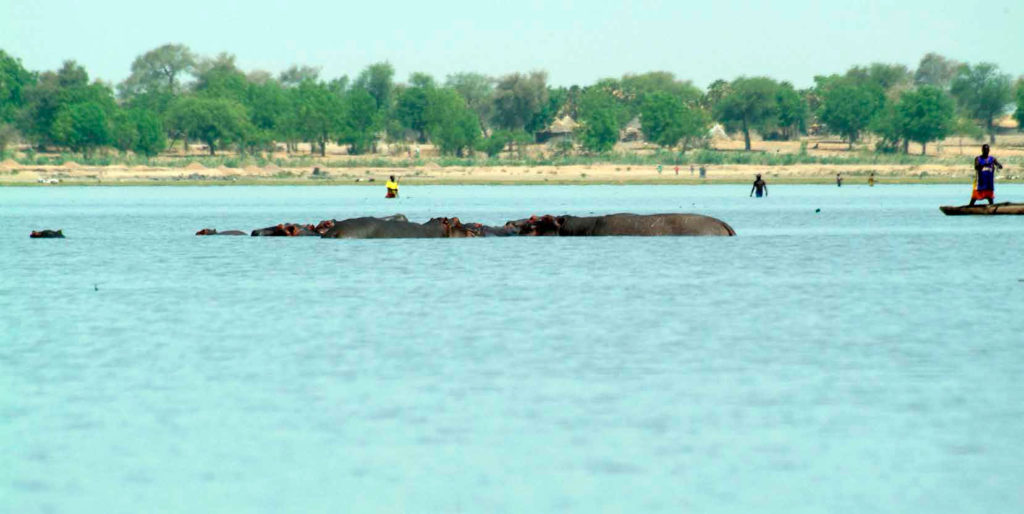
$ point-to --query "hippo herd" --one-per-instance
(398, 226)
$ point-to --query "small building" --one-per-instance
(560, 130)
(633, 131)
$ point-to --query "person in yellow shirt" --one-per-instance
(392, 187)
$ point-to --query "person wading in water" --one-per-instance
(392, 187)
(759, 186)
(985, 176)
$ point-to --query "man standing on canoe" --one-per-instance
(985, 179)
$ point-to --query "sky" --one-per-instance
(576, 42)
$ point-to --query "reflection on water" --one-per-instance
(862, 359)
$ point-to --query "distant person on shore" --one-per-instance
(760, 187)
(703, 172)
(677, 170)
(392, 187)
(871, 179)
(839, 180)
(691, 170)
(985, 176)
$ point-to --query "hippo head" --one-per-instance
(453, 227)
(207, 232)
(322, 227)
(546, 225)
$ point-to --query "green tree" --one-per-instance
(220, 78)
(13, 80)
(667, 120)
(495, 143)
(360, 122)
(378, 80)
(411, 107)
(57, 92)
(82, 127)
(519, 98)
(927, 115)
(478, 91)
(296, 75)
(159, 70)
(599, 120)
(935, 70)
(217, 122)
(318, 114)
(888, 77)
(749, 102)
(983, 93)
(452, 125)
(848, 107)
(887, 124)
(792, 110)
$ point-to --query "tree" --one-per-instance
(378, 80)
(57, 92)
(220, 78)
(411, 107)
(14, 78)
(666, 120)
(983, 93)
(792, 110)
(599, 121)
(749, 102)
(518, 98)
(891, 78)
(214, 121)
(139, 131)
(848, 107)
(478, 92)
(887, 124)
(495, 143)
(8, 134)
(935, 70)
(360, 121)
(159, 70)
(82, 127)
(450, 123)
(1019, 113)
(927, 115)
(318, 113)
(296, 75)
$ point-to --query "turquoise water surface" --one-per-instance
(865, 358)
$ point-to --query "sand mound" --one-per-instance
(271, 167)
(9, 164)
(431, 166)
(71, 165)
(253, 170)
(195, 166)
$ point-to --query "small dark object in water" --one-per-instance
(817, 210)
(47, 234)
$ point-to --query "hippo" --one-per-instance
(623, 224)
(394, 228)
(286, 230)
(214, 232)
(47, 234)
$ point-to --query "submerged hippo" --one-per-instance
(394, 228)
(286, 230)
(623, 225)
(214, 232)
(47, 234)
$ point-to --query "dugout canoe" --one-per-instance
(983, 210)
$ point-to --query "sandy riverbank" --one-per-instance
(195, 174)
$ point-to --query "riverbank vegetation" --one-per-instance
(175, 102)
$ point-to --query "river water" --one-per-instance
(865, 358)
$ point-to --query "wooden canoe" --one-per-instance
(987, 210)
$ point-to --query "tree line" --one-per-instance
(174, 95)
